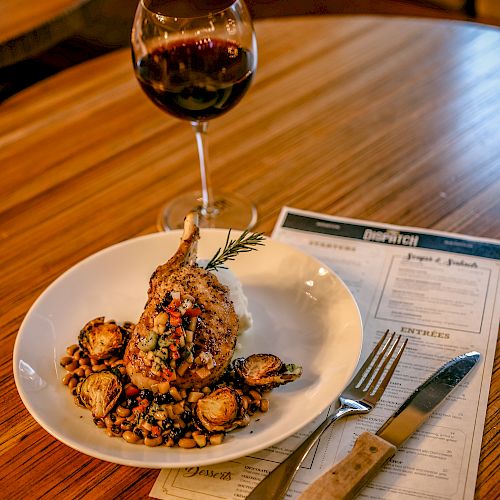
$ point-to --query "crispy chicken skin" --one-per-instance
(216, 324)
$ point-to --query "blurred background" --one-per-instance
(39, 39)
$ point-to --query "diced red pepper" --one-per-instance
(194, 311)
(141, 407)
(131, 391)
(175, 321)
(155, 430)
(174, 304)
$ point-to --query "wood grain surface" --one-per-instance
(389, 120)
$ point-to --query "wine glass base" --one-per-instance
(232, 211)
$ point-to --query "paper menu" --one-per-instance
(441, 291)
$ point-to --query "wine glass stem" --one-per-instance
(201, 131)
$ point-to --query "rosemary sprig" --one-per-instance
(246, 242)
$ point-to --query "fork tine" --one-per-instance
(379, 365)
(360, 373)
(381, 388)
(380, 356)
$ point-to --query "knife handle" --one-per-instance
(346, 478)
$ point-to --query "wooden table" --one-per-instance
(29, 27)
(390, 120)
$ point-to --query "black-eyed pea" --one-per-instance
(132, 438)
(100, 423)
(88, 371)
(80, 372)
(126, 425)
(122, 412)
(84, 361)
(66, 360)
(245, 401)
(186, 443)
(255, 395)
(116, 430)
(72, 383)
(119, 420)
(264, 405)
(72, 349)
(153, 441)
(99, 368)
(67, 378)
(72, 366)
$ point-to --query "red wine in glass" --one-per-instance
(194, 79)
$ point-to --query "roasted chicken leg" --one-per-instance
(187, 333)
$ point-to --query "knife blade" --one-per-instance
(370, 451)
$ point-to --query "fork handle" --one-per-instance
(276, 484)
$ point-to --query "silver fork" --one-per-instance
(360, 396)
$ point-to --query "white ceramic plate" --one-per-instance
(302, 312)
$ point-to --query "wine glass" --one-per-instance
(195, 60)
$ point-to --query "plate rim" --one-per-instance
(154, 464)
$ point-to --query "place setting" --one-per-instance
(238, 353)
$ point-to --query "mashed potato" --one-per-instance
(240, 301)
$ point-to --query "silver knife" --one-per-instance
(346, 478)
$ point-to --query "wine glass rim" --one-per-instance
(213, 12)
